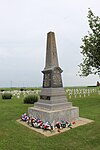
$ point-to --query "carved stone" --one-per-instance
(53, 105)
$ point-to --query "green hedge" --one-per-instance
(6, 96)
(31, 99)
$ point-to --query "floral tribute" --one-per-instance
(45, 125)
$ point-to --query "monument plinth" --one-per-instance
(53, 105)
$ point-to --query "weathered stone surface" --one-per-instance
(69, 114)
(52, 71)
(50, 107)
(51, 52)
(53, 105)
(52, 77)
(53, 94)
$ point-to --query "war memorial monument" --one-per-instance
(53, 105)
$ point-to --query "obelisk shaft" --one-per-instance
(51, 51)
(52, 71)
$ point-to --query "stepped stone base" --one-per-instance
(56, 108)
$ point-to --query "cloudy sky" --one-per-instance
(24, 25)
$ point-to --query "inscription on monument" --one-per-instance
(46, 82)
(45, 97)
(57, 78)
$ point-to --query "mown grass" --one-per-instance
(14, 136)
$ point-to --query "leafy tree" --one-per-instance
(91, 47)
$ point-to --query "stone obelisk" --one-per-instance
(53, 105)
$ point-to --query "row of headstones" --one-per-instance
(18, 94)
(81, 92)
(70, 92)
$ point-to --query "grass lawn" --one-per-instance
(14, 136)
